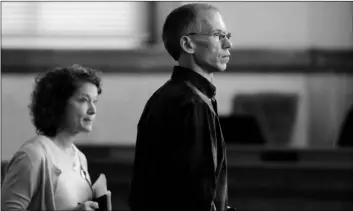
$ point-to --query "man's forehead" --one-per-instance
(211, 20)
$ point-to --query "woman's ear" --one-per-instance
(186, 44)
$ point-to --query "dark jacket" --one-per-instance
(346, 134)
(180, 157)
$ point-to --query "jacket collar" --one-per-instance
(200, 82)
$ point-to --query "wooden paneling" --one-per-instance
(314, 180)
(154, 60)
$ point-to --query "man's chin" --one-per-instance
(217, 68)
(222, 68)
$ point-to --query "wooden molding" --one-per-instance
(157, 61)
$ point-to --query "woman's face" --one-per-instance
(81, 108)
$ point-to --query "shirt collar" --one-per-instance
(200, 82)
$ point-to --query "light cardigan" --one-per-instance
(32, 175)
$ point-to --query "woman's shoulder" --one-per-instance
(34, 148)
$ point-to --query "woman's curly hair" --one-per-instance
(51, 93)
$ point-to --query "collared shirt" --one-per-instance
(180, 159)
(200, 82)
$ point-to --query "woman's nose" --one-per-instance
(92, 109)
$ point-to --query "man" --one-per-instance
(346, 134)
(180, 158)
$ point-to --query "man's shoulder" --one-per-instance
(176, 92)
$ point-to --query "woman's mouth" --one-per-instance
(87, 120)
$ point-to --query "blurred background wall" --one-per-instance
(290, 47)
(281, 51)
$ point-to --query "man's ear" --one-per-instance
(186, 44)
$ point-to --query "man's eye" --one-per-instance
(220, 36)
(223, 36)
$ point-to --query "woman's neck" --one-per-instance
(64, 141)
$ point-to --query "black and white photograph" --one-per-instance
(177, 105)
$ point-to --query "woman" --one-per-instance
(48, 172)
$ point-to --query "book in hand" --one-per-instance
(101, 194)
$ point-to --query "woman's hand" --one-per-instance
(87, 206)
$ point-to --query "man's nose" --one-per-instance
(227, 43)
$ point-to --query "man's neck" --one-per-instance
(195, 68)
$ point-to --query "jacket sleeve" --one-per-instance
(199, 157)
(20, 182)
